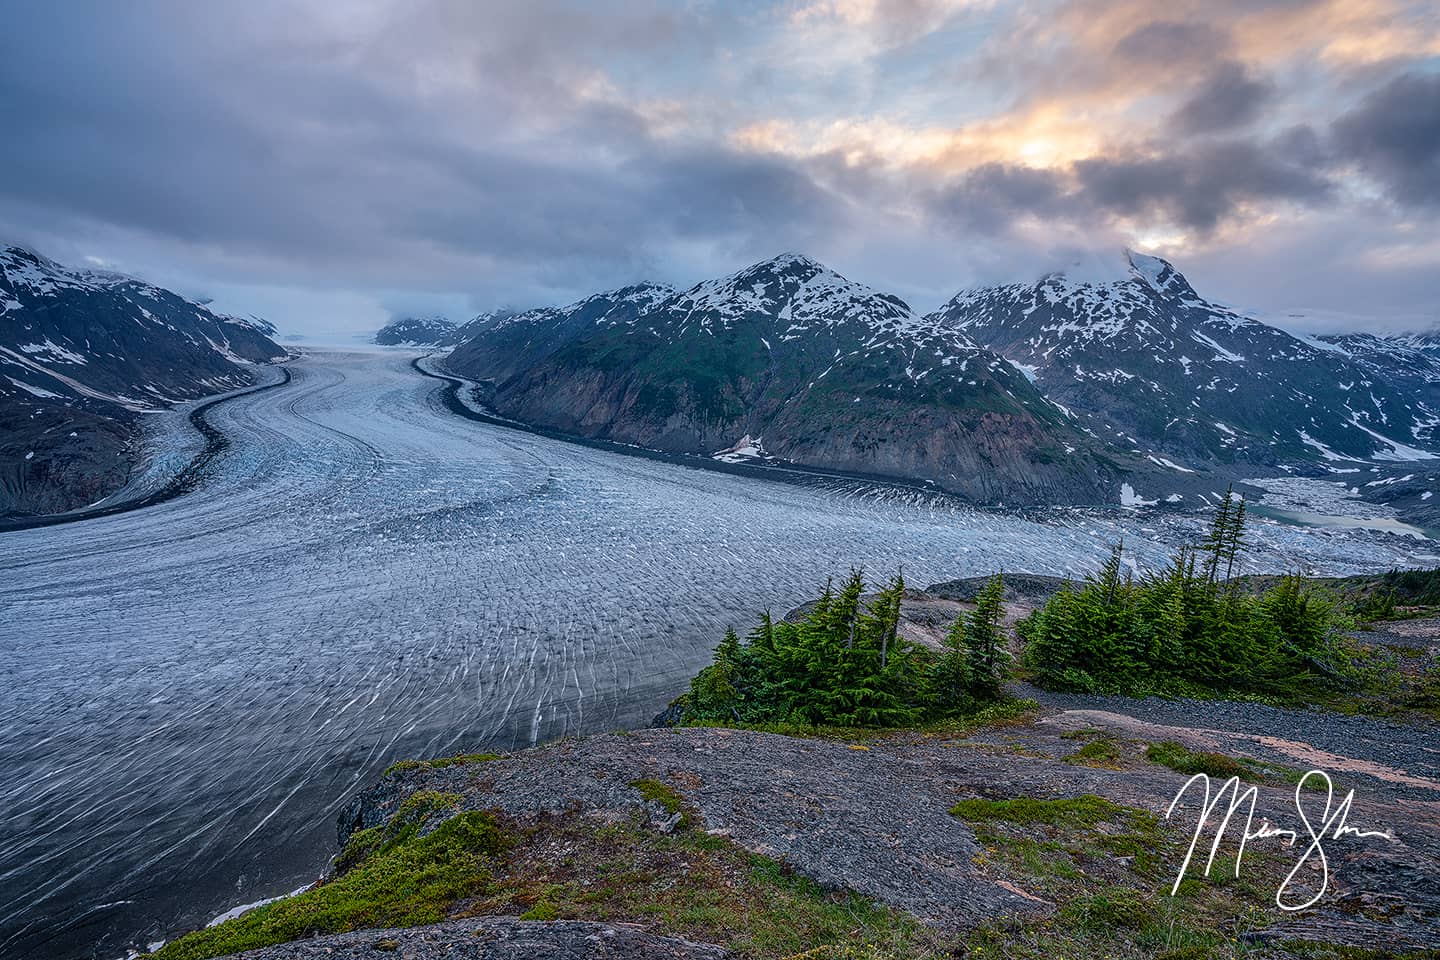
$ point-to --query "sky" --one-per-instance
(327, 165)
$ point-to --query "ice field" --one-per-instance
(193, 690)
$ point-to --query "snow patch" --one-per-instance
(1129, 498)
(53, 352)
(745, 449)
(1166, 462)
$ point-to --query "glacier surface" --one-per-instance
(193, 690)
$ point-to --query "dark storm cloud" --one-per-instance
(530, 152)
(991, 197)
(1198, 186)
(1394, 135)
(1231, 96)
(1166, 42)
(286, 152)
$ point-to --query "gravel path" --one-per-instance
(1402, 761)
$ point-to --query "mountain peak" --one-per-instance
(1157, 273)
(793, 289)
(415, 330)
(791, 260)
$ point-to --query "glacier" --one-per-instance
(195, 689)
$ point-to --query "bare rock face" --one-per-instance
(496, 938)
(812, 368)
(871, 821)
(83, 356)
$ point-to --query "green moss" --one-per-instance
(1103, 752)
(1218, 766)
(1108, 908)
(1183, 760)
(1109, 869)
(403, 880)
(440, 762)
(1008, 712)
(400, 766)
(400, 828)
(1074, 812)
(662, 793)
(697, 886)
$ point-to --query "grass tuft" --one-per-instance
(405, 880)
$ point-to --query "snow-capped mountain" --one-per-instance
(787, 359)
(82, 353)
(428, 331)
(1427, 342)
(506, 342)
(1146, 363)
(1404, 361)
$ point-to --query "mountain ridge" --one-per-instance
(1148, 360)
(821, 370)
(416, 331)
(84, 355)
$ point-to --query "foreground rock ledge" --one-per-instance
(873, 816)
(496, 938)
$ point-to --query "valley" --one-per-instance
(197, 688)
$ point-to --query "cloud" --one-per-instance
(1230, 97)
(1164, 42)
(1198, 186)
(445, 151)
(1394, 136)
(992, 198)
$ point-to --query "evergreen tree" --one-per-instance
(950, 677)
(1177, 632)
(1052, 639)
(986, 658)
(1215, 540)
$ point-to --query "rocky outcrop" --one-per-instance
(872, 821)
(873, 816)
(496, 938)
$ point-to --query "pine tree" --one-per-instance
(1234, 538)
(950, 676)
(847, 605)
(1177, 630)
(1217, 540)
(987, 659)
(884, 616)
(763, 636)
(713, 692)
(1051, 637)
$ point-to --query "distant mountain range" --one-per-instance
(1131, 387)
(1146, 362)
(788, 360)
(83, 356)
(431, 331)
